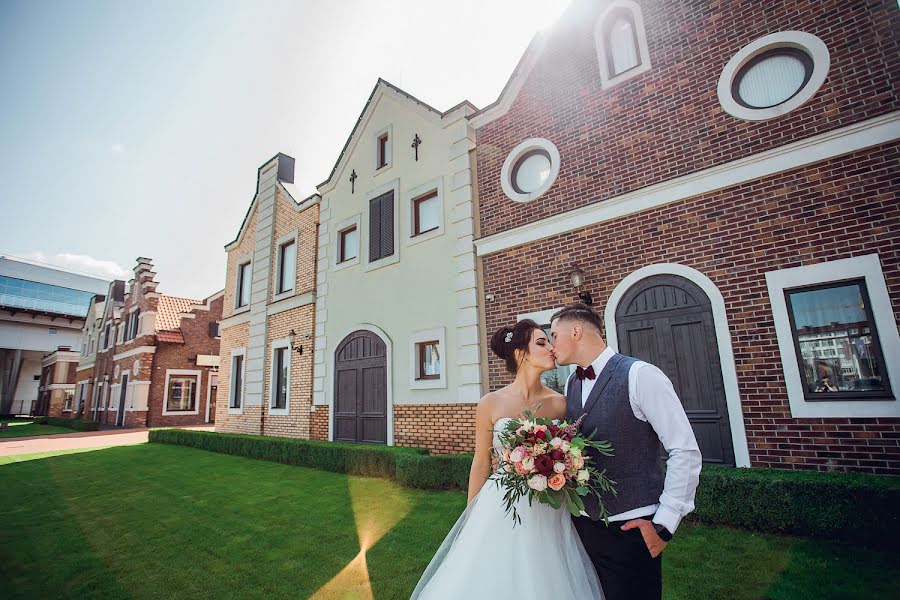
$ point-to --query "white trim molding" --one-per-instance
(723, 340)
(825, 146)
(236, 410)
(513, 157)
(867, 267)
(640, 36)
(135, 351)
(415, 339)
(277, 345)
(807, 43)
(176, 372)
(389, 375)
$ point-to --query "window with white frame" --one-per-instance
(107, 331)
(426, 213)
(348, 244)
(773, 75)
(621, 43)
(382, 149)
(530, 169)
(280, 377)
(133, 323)
(67, 400)
(236, 385)
(242, 285)
(287, 265)
(427, 363)
(182, 392)
(838, 338)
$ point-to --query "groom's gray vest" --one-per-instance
(635, 466)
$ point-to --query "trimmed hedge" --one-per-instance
(837, 505)
(352, 459)
(76, 424)
(842, 505)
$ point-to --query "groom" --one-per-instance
(632, 405)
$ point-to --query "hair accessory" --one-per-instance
(508, 337)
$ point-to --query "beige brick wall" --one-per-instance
(233, 337)
(297, 423)
(244, 249)
(288, 220)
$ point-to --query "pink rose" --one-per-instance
(528, 463)
(521, 470)
(557, 482)
(556, 442)
(538, 483)
(517, 455)
(559, 467)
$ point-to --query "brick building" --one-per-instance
(721, 180)
(269, 312)
(152, 359)
(56, 391)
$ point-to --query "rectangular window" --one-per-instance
(236, 395)
(837, 345)
(429, 360)
(242, 298)
(348, 244)
(67, 402)
(280, 374)
(287, 267)
(383, 150)
(106, 332)
(133, 329)
(426, 213)
(381, 226)
(181, 393)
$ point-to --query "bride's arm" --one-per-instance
(481, 464)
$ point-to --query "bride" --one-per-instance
(484, 556)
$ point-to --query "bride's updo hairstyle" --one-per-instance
(508, 339)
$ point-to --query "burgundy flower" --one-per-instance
(544, 465)
(558, 455)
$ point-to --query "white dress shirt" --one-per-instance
(653, 399)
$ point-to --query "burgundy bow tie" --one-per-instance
(582, 373)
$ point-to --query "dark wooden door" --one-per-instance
(360, 389)
(667, 321)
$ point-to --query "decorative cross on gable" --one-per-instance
(415, 145)
(353, 181)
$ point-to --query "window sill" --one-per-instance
(347, 263)
(241, 309)
(235, 411)
(383, 262)
(173, 413)
(283, 296)
(425, 236)
(849, 397)
(280, 412)
(383, 169)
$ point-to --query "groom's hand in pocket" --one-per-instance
(655, 544)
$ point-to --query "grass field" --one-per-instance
(22, 428)
(157, 521)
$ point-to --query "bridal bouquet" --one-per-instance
(545, 460)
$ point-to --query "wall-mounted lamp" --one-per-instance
(576, 276)
(293, 339)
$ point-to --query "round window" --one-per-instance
(530, 169)
(773, 75)
(772, 78)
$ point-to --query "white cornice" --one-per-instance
(134, 351)
(825, 146)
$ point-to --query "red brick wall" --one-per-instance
(667, 122)
(441, 428)
(837, 209)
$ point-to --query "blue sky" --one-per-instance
(135, 128)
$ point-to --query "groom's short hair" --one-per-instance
(579, 312)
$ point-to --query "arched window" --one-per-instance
(621, 43)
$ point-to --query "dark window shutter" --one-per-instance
(387, 224)
(213, 330)
(374, 229)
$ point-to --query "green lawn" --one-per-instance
(26, 428)
(157, 521)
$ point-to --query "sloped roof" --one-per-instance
(168, 309)
(174, 337)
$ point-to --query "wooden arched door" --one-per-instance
(360, 389)
(667, 321)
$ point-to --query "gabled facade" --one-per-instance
(397, 332)
(155, 361)
(725, 183)
(269, 312)
(57, 386)
(90, 340)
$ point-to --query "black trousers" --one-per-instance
(624, 565)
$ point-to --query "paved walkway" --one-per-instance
(80, 439)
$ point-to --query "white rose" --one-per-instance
(528, 463)
(556, 442)
(583, 476)
(517, 455)
(538, 483)
(559, 467)
(565, 447)
(574, 451)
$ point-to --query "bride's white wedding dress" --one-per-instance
(484, 556)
